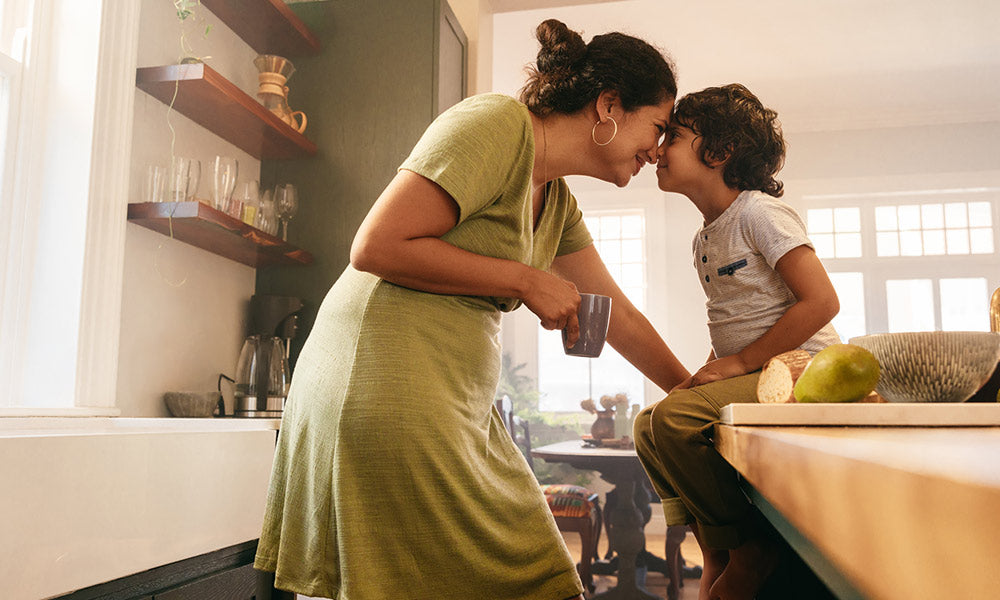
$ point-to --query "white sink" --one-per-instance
(89, 500)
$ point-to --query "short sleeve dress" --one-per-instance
(393, 476)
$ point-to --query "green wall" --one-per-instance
(368, 96)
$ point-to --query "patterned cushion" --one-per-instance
(568, 500)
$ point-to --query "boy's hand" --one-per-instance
(714, 370)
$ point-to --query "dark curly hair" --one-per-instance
(570, 74)
(733, 124)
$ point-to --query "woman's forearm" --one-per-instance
(433, 265)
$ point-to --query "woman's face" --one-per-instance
(639, 133)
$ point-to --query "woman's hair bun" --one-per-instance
(569, 73)
(561, 48)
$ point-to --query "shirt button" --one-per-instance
(704, 259)
(706, 277)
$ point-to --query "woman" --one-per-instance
(394, 478)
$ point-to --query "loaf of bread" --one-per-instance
(778, 377)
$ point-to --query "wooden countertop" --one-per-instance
(902, 512)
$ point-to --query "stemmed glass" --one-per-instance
(286, 204)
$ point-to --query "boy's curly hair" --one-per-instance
(736, 127)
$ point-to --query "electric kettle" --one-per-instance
(262, 378)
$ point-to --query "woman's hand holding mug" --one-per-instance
(554, 301)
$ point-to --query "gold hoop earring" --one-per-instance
(593, 132)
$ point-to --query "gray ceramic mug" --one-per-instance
(594, 314)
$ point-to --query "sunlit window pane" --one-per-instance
(981, 240)
(636, 296)
(611, 227)
(820, 220)
(631, 226)
(615, 269)
(911, 304)
(964, 304)
(562, 380)
(823, 243)
(594, 226)
(933, 242)
(909, 243)
(610, 251)
(979, 214)
(887, 243)
(885, 218)
(909, 217)
(958, 241)
(848, 245)
(850, 321)
(565, 380)
(631, 251)
(631, 275)
(932, 216)
(955, 215)
(847, 219)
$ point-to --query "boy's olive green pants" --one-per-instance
(696, 485)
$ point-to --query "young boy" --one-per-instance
(767, 293)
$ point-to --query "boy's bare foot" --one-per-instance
(715, 563)
(749, 567)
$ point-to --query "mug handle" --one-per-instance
(302, 127)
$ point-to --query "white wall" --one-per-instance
(183, 309)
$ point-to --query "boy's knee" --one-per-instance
(642, 427)
(673, 417)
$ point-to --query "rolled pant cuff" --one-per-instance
(675, 513)
(725, 537)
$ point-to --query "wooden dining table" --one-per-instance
(621, 468)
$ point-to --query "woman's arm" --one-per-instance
(629, 332)
(816, 304)
(400, 242)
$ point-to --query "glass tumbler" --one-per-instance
(156, 184)
(224, 172)
(185, 174)
(249, 198)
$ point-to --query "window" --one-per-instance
(64, 142)
(919, 261)
(564, 381)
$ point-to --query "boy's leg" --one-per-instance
(674, 511)
(681, 427)
(673, 440)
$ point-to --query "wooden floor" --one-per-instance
(655, 537)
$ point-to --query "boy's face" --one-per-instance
(679, 167)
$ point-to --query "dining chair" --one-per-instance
(575, 508)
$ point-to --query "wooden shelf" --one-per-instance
(201, 225)
(218, 105)
(269, 26)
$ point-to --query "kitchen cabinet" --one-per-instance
(209, 99)
(387, 69)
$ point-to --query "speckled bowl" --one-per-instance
(932, 366)
(192, 404)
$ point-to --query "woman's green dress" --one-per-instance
(394, 477)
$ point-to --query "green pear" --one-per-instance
(838, 373)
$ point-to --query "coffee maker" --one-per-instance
(262, 372)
